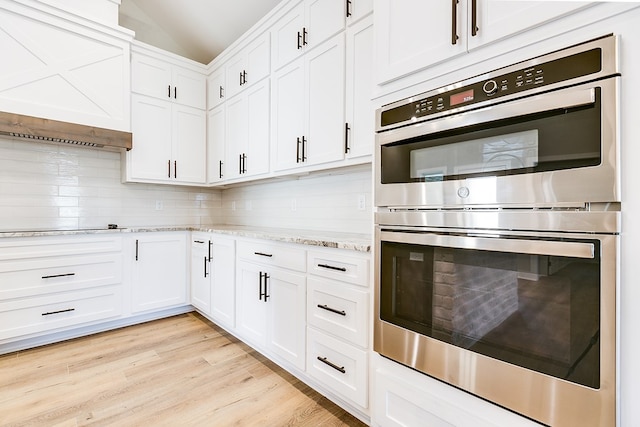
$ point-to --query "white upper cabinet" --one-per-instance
(360, 123)
(357, 9)
(309, 125)
(164, 80)
(249, 66)
(216, 88)
(216, 122)
(55, 68)
(414, 34)
(306, 26)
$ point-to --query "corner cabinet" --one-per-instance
(159, 270)
(57, 66)
(453, 29)
(168, 121)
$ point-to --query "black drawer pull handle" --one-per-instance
(334, 366)
(58, 275)
(263, 254)
(58, 312)
(331, 267)
(198, 241)
(333, 310)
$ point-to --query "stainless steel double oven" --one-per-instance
(497, 228)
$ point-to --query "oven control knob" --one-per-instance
(490, 87)
(463, 192)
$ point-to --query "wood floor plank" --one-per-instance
(181, 370)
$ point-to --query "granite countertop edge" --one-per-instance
(329, 239)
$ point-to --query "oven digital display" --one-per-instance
(461, 97)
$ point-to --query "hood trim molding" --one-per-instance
(47, 130)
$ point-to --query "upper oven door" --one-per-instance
(552, 149)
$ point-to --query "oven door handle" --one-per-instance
(520, 246)
(551, 101)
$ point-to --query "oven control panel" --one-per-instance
(495, 87)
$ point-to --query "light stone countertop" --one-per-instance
(327, 239)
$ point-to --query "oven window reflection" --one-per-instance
(539, 312)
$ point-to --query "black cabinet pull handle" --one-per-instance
(175, 169)
(331, 267)
(299, 40)
(244, 163)
(220, 169)
(260, 293)
(304, 149)
(221, 92)
(334, 366)
(333, 310)
(263, 254)
(210, 245)
(49, 313)
(349, 8)
(58, 275)
(454, 21)
(136, 249)
(198, 241)
(205, 267)
(298, 159)
(244, 77)
(240, 79)
(266, 289)
(169, 91)
(175, 92)
(304, 36)
(346, 138)
(474, 18)
(239, 163)
(169, 168)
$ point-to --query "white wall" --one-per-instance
(45, 186)
(326, 201)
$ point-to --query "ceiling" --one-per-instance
(196, 29)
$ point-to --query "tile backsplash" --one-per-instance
(50, 186)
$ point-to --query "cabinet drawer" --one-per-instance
(37, 276)
(337, 308)
(341, 267)
(38, 314)
(22, 248)
(339, 366)
(276, 255)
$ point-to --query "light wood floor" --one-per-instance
(179, 371)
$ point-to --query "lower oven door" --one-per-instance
(526, 321)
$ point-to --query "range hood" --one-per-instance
(46, 130)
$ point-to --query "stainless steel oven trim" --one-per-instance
(492, 243)
(541, 397)
(598, 183)
(610, 67)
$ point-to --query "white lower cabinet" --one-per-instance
(223, 273)
(58, 282)
(159, 271)
(270, 301)
(200, 272)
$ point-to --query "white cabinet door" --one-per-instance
(249, 66)
(216, 88)
(151, 119)
(151, 76)
(200, 273)
(324, 18)
(251, 309)
(159, 271)
(286, 301)
(60, 69)
(358, 9)
(414, 34)
(189, 145)
(360, 127)
(325, 70)
(216, 144)
(258, 128)
(236, 136)
(223, 286)
(497, 19)
(287, 37)
(289, 113)
(189, 88)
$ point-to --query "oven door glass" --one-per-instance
(531, 309)
(549, 140)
